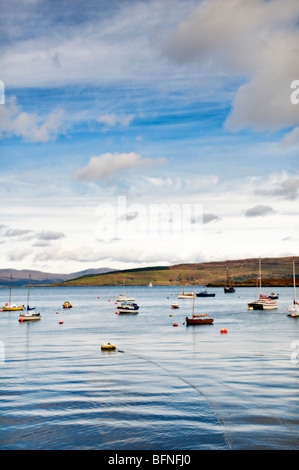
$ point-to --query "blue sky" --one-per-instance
(162, 102)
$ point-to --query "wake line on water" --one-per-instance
(210, 404)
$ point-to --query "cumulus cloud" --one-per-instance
(259, 210)
(105, 166)
(286, 189)
(255, 41)
(30, 127)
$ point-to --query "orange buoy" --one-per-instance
(21, 320)
(223, 330)
(175, 324)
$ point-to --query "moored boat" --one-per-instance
(128, 307)
(293, 310)
(175, 305)
(229, 288)
(29, 316)
(9, 307)
(205, 293)
(198, 319)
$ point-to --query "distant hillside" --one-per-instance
(20, 277)
(275, 272)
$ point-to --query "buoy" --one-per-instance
(116, 312)
(170, 314)
(108, 346)
(57, 312)
(60, 322)
(250, 308)
(175, 324)
(223, 330)
(21, 320)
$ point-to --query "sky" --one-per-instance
(148, 132)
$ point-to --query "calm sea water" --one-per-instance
(166, 387)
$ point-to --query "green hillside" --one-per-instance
(275, 272)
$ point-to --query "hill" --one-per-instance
(275, 272)
(20, 277)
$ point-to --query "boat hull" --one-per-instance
(12, 309)
(199, 321)
(229, 290)
(202, 294)
(186, 296)
(31, 317)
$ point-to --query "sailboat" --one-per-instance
(29, 315)
(188, 295)
(294, 308)
(263, 302)
(198, 319)
(229, 287)
(11, 307)
(123, 297)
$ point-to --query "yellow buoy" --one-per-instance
(108, 347)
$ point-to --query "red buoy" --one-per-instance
(57, 312)
(223, 330)
(175, 324)
(60, 322)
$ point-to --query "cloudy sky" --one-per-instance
(146, 132)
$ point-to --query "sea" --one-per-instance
(166, 387)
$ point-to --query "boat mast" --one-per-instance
(28, 291)
(193, 306)
(294, 280)
(10, 290)
(260, 276)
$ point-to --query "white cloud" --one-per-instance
(112, 120)
(105, 166)
(30, 127)
(255, 41)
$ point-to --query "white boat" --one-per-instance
(29, 316)
(263, 302)
(128, 307)
(183, 295)
(294, 308)
(150, 284)
(124, 298)
(175, 305)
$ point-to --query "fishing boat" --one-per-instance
(128, 307)
(198, 319)
(264, 302)
(184, 295)
(294, 308)
(67, 304)
(9, 307)
(229, 288)
(205, 293)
